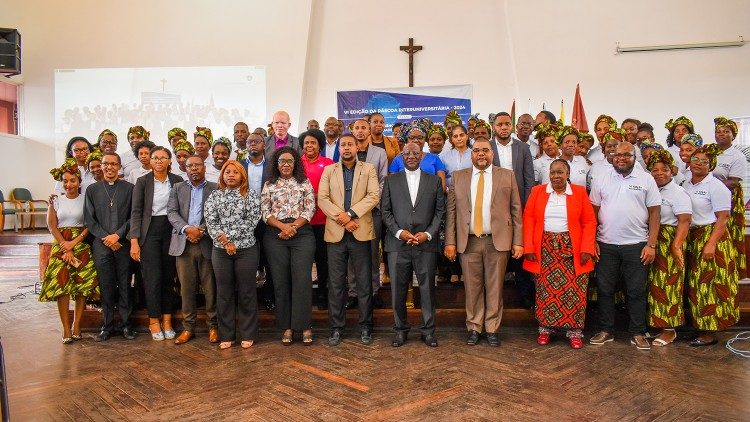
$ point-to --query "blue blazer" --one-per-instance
(335, 157)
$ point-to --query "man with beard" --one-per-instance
(627, 204)
(412, 242)
(220, 152)
(378, 158)
(332, 130)
(376, 138)
(241, 132)
(524, 127)
(347, 193)
(281, 136)
(516, 156)
(191, 246)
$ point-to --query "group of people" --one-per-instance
(532, 197)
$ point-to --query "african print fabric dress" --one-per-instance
(666, 283)
(560, 294)
(736, 228)
(712, 284)
(61, 278)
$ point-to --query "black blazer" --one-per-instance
(143, 200)
(523, 166)
(103, 220)
(398, 212)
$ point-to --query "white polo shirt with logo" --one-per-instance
(708, 197)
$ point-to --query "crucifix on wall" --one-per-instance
(411, 49)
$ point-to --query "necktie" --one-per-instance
(478, 226)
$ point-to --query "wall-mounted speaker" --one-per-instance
(10, 51)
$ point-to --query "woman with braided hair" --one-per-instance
(731, 165)
(70, 271)
(666, 277)
(711, 269)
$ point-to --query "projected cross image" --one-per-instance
(90, 100)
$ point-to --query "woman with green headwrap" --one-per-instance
(70, 272)
(730, 169)
(567, 140)
(666, 277)
(712, 277)
(604, 124)
(678, 128)
(546, 135)
(130, 161)
(182, 150)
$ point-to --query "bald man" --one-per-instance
(281, 137)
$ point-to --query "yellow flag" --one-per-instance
(562, 113)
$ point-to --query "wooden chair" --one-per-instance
(8, 208)
(28, 206)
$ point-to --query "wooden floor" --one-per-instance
(147, 380)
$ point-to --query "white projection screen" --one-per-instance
(158, 98)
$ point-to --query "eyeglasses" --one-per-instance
(416, 138)
(254, 142)
(110, 164)
(107, 142)
(159, 159)
(194, 166)
(77, 150)
(624, 156)
(701, 161)
(286, 162)
(524, 124)
(481, 150)
(646, 139)
(411, 153)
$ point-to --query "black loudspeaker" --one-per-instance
(10, 51)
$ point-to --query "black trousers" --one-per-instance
(236, 293)
(265, 293)
(402, 264)
(113, 270)
(339, 254)
(290, 262)
(321, 260)
(158, 268)
(524, 283)
(622, 262)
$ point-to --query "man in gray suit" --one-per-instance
(192, 247)
(281, 136)
(413, 206)
(515, 155)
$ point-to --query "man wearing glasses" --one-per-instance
(524, 127)
(627, 204)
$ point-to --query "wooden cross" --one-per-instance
(411, 49)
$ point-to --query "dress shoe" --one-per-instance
(640, 342)
(184, 337)
(335, 338)
(493, 339)
(576, 342)
(699, 342)
(128, 333)
(103, 336)
(473, 338)
(213, 335)
(399, 339)
(377, 302)
(430, 340)
(366, 336)
(543, 338)
(601, 337)
(351, 302)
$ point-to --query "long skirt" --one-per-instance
(61, 278)
(666, 283)
(560, 293)
(712, 284)
(736, 228)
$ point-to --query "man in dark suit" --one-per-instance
(483, 224)
(107, 216)
(515, 155)
(413, 206)
(281, 136)
(191, 246)
(332, 130)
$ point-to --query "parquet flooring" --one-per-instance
(146, 380)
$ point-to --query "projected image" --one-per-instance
(160, 98)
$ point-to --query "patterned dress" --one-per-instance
(736, 228)
(61, 278)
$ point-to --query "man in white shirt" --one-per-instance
(524, 127)
(627, 203)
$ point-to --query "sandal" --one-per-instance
(661, 341)
(307, 337)
(286, 339)
(76, 337)
(246, 344)
(225, 345)
(67, 340)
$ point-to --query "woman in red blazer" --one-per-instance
(559, 230)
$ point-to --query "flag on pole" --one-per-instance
(512, 117)
(562, 113)
(578, 119)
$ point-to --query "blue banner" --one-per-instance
(406, 104)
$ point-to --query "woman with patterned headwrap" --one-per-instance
(175, 135)
(70, 271)
(136, 135)
(436, 138)
(603, 125)
(202, 140)
(94, 164)
(712, 277)
(731, 165)
(678, 128)
(546, 135)
(585, 142)
(182, 150)
(688, 145)
(567, 140)
(416, 132)
(482, 130)
(471, 124)
(666, 276)
(648, 148)
(452, 119)
(220, 151)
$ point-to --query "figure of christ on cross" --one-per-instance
(411, 49)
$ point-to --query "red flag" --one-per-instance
(578, 119)
(513, 117)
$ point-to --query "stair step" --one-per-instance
(24, 239)
(19, 250)
(8, 262)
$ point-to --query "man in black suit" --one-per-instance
(191, 246)
(412, 205)
(107, 216)
(515, 155)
